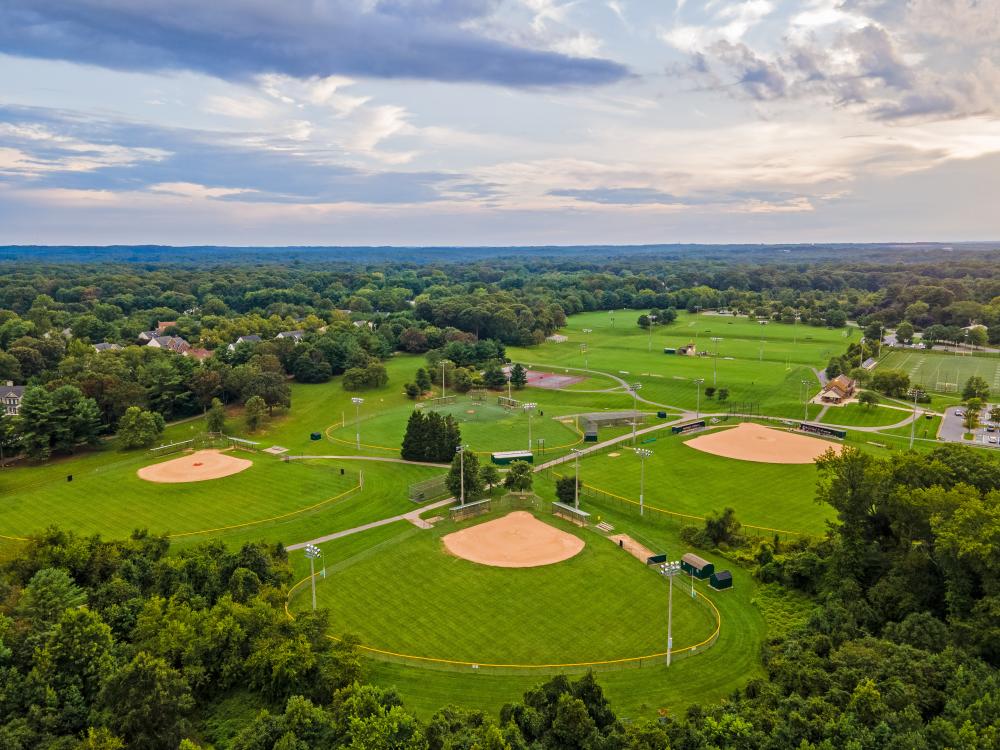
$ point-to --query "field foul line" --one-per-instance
(460, 663)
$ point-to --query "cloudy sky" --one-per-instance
(416, 122)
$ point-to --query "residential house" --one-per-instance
(104, 346)
(253, 338)
(838, 390)
(163, 325)
(10, 397)
(171, 343)
(296, 336)
(146, 336)
(197, 353)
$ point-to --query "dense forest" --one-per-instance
(104, 643)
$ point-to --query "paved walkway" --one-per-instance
(410, 516)
(384, 459)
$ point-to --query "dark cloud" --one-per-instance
(236, 39)
(185, 156)
(757, 77)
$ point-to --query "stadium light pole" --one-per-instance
(357, 401)
(443, 363)
(635, 387)
(530, 409)
(805, 401)
(460, 450)
(697, 393)
(916, 393)
(576, 483)
(312, 552)
(670, 569)
(652, 321)
(715, 360)
(643, 454)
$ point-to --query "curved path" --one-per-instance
(384, 459)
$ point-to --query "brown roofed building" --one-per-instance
(838, 390)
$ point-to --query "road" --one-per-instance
(953, 430)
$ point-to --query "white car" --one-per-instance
(959, 413)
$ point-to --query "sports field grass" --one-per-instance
(925, 429)
(485, 426)
(762, 364)
(687, 481)
(858, 415)
(943, 372)
(412, 597)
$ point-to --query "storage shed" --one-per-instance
(504, 458)
(696, 566)
(721, 580)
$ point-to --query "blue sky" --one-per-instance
(421, 122)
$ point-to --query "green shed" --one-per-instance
(504, 458)
(696, 566)
(721, 580)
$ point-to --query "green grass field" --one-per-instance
(412, 597)
(762, 364)
(943, 372)
(858, 415)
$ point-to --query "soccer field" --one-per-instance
(943, 372)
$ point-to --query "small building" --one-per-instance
(505, 458)
(721, 581)
(106, 347)
(838, 390)
(295, 336)
(171, 343)
(10, 397)
(146, 336)
(869, 363)
(557, 338)
(696, 566)
(669, 350)
(252, 338)
(688, 350)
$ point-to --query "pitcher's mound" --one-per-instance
(754, 442)
(518, 540)
(195, 467)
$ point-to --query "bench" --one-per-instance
(570, 513)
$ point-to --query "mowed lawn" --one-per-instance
(858, 415)
(413, 597)
(685, 480)
(761, 364)
(943, 372)
(485, 426)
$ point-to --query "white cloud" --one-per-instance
(193, 190)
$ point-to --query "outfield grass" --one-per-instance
(943, 372)
(769, 374)
(858, 415)
(684, 480)
(414, 598)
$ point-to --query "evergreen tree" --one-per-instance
(216, 419)
(519, 477)
(255, 411)
(494, 377)
(423, 380)
(518, 376)
(35, 423)
(414, 439)
(473, 477)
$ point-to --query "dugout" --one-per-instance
(821, 429)
(721, 580)
(680, 428)
(505, 458)
(697, 566)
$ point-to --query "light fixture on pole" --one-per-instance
(643, 454)
(805, 401)
(312, 552)
(357, 401)
(715, 360)
(530, 409)
(576, 483)
(916, 393)
(670, 569)
(697, 391)
(635, 388)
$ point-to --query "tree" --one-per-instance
(976, 387)
(430, 437)
(709, 391)
(973, 407)
(723, 394)
(518, 376)
(139, 428)
(834, 367)
(995, 414)
(215, 421)
(976, 336)
(271, 388)
(566, 490)
(36, 423)
(904, 333)
(722, 528)
(893, 383)
(473, 478)
(874, 331)
(205, 384)
(147, 702)
(868, 398)
(489, 475)
(254, 412)
(412, 391)
(644, 321)
(423, 380)
(494, 377)
(519, 477)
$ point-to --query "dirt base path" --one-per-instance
(753, 442)
(517, 540)
(630, 545)
(199, 466)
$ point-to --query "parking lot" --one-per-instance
(953, 430)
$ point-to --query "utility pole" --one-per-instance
(576, 485)
(715, 361)
(461, 473)
(312, 552)
(357, 401)
(805, 401)
(697, 392)
(530, 409)
(916, 393)
(635, 407)
(670, 569)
